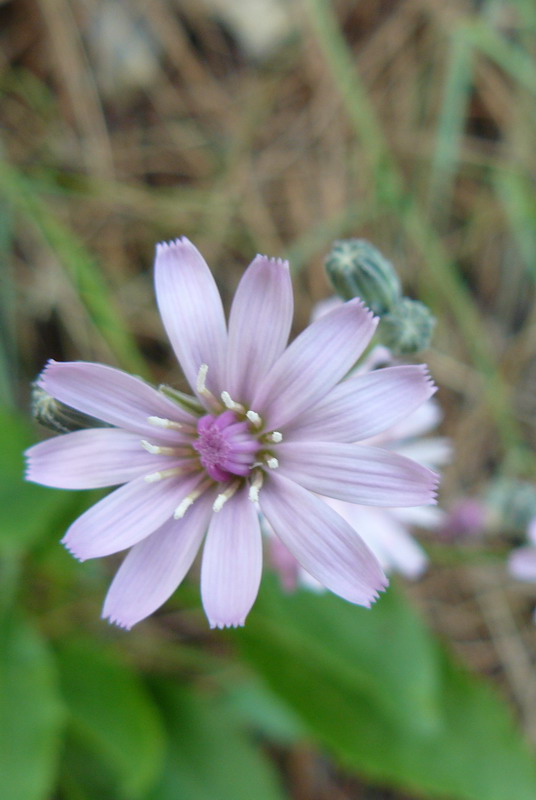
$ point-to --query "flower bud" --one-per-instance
(357, 269)
(59, 417)
(407, 328)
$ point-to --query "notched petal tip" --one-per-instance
(181, 241)
(119, 623)
(358, 303)
(72, 551)
(280, 262)
(221, 624)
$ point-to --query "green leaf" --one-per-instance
(112, 715)
(31, 714)
(210, 753)
(384, 697)
(27, 511)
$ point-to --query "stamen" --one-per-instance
(222, 498)
(272, 462)
(164, 473)
(256, 485)
(157, 450)
(254, 418)
(189, 500)
(161, 422)
(229, 403)
(275, 437)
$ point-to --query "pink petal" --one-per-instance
(112, 396)
(357, 474)
(365, 405)
(155, 567)
(232, 562)
(388, 539)
(90, 459)
(323, 543)
(191, 310)
(259, 325)
(125, 516)
(315, 361)
(522, 564)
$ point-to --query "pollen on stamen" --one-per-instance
(256, 486)
(254, 418)
(164, 473)
(229, 403)
(272, 462)
(157, 450)
(189, 500)
(161, 422)
(222, 498)
(275, 436)
(183, 507)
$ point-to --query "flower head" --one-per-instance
(270, 427)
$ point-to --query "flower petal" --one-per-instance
(322, 541)
(126, 516)
(366, 405)
(232, 562)
(388, 539)
(315, 361)
(191, 310)
(367, 475)
(155, 567)
(522, 564)
(112, 396)
(90, 459)
(259, 325)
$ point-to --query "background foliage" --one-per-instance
(411, 124)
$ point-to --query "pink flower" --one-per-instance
(271, 427)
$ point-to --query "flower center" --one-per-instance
(225, 445)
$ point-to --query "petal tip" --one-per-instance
(232, 623)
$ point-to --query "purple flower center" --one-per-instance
(225, 445)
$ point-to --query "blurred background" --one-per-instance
(270, 126)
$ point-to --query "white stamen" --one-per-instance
(201, 387)
(230, 403)
(272, 462)
(201, 378)
(275, 437)
(160, 422)
(254, 418)
(256, 485)
(183, 507)
(189, 500)
(157, 450)
(164, 473)
(222, 498)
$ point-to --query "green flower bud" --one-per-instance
(357, 269)
(59, 417)
(407, 328)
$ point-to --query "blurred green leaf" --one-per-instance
(262, 710)
(112, 715)
(31, 714)
(211, 756)
(27, 511)
(376, 689)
